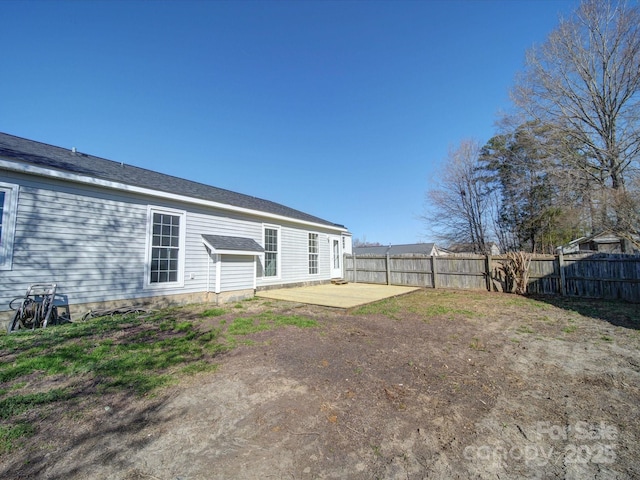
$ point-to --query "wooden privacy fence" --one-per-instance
(594, 276)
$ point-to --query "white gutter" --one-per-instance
(57, 174)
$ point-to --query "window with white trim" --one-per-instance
(271, 251)
(313, 253)
(166, 247)
(8, 210)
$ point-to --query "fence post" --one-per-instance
(388, 270)
(355, 269)
(434, 271)
(563, 290)
(488, 265)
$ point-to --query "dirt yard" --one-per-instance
(435, 384)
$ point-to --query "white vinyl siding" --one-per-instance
(93, 247)
(237, 272)
(94, 243)
(8, 204)
(294, 258)
(202, 266)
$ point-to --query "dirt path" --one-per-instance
(526, 391)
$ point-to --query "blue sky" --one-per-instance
(344, 110)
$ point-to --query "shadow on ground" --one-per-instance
(91, 434)
(616, 312)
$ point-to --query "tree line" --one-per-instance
(565, 162)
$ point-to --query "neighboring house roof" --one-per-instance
(56, 158)
(470, 248)
(232, 245)
(420, 248)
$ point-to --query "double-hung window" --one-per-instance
(313, 253)
(271, 251)
(8, 211)
(166, 247)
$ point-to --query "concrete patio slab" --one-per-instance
(340, 296)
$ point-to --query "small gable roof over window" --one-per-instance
(221, 244)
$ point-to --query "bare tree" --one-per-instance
(357, 242)
(628, 202)
(458, 208)
(584, 82)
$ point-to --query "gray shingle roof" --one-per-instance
(48, 156)
(222, 242)
(422, 248)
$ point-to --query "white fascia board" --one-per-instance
(237, 252)
(46, 172)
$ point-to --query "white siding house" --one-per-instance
(110, 233)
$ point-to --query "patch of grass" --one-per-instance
(267, 321)
(17, 404)
(213, 312)
(246, 326)
(427, 304)
(295, 321)
(140, 383)
(436, 310)
(199, 367)
(184, 327)
(135, 353)
(522, 302)
(445, 311)
(476, 344)
(572, 327)
(606, 338)
(138, 357)
(210, 336)
(10, 435)
(524, 329)
(167, 325)
(389, 308)
(614, 311)
(216, 348)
